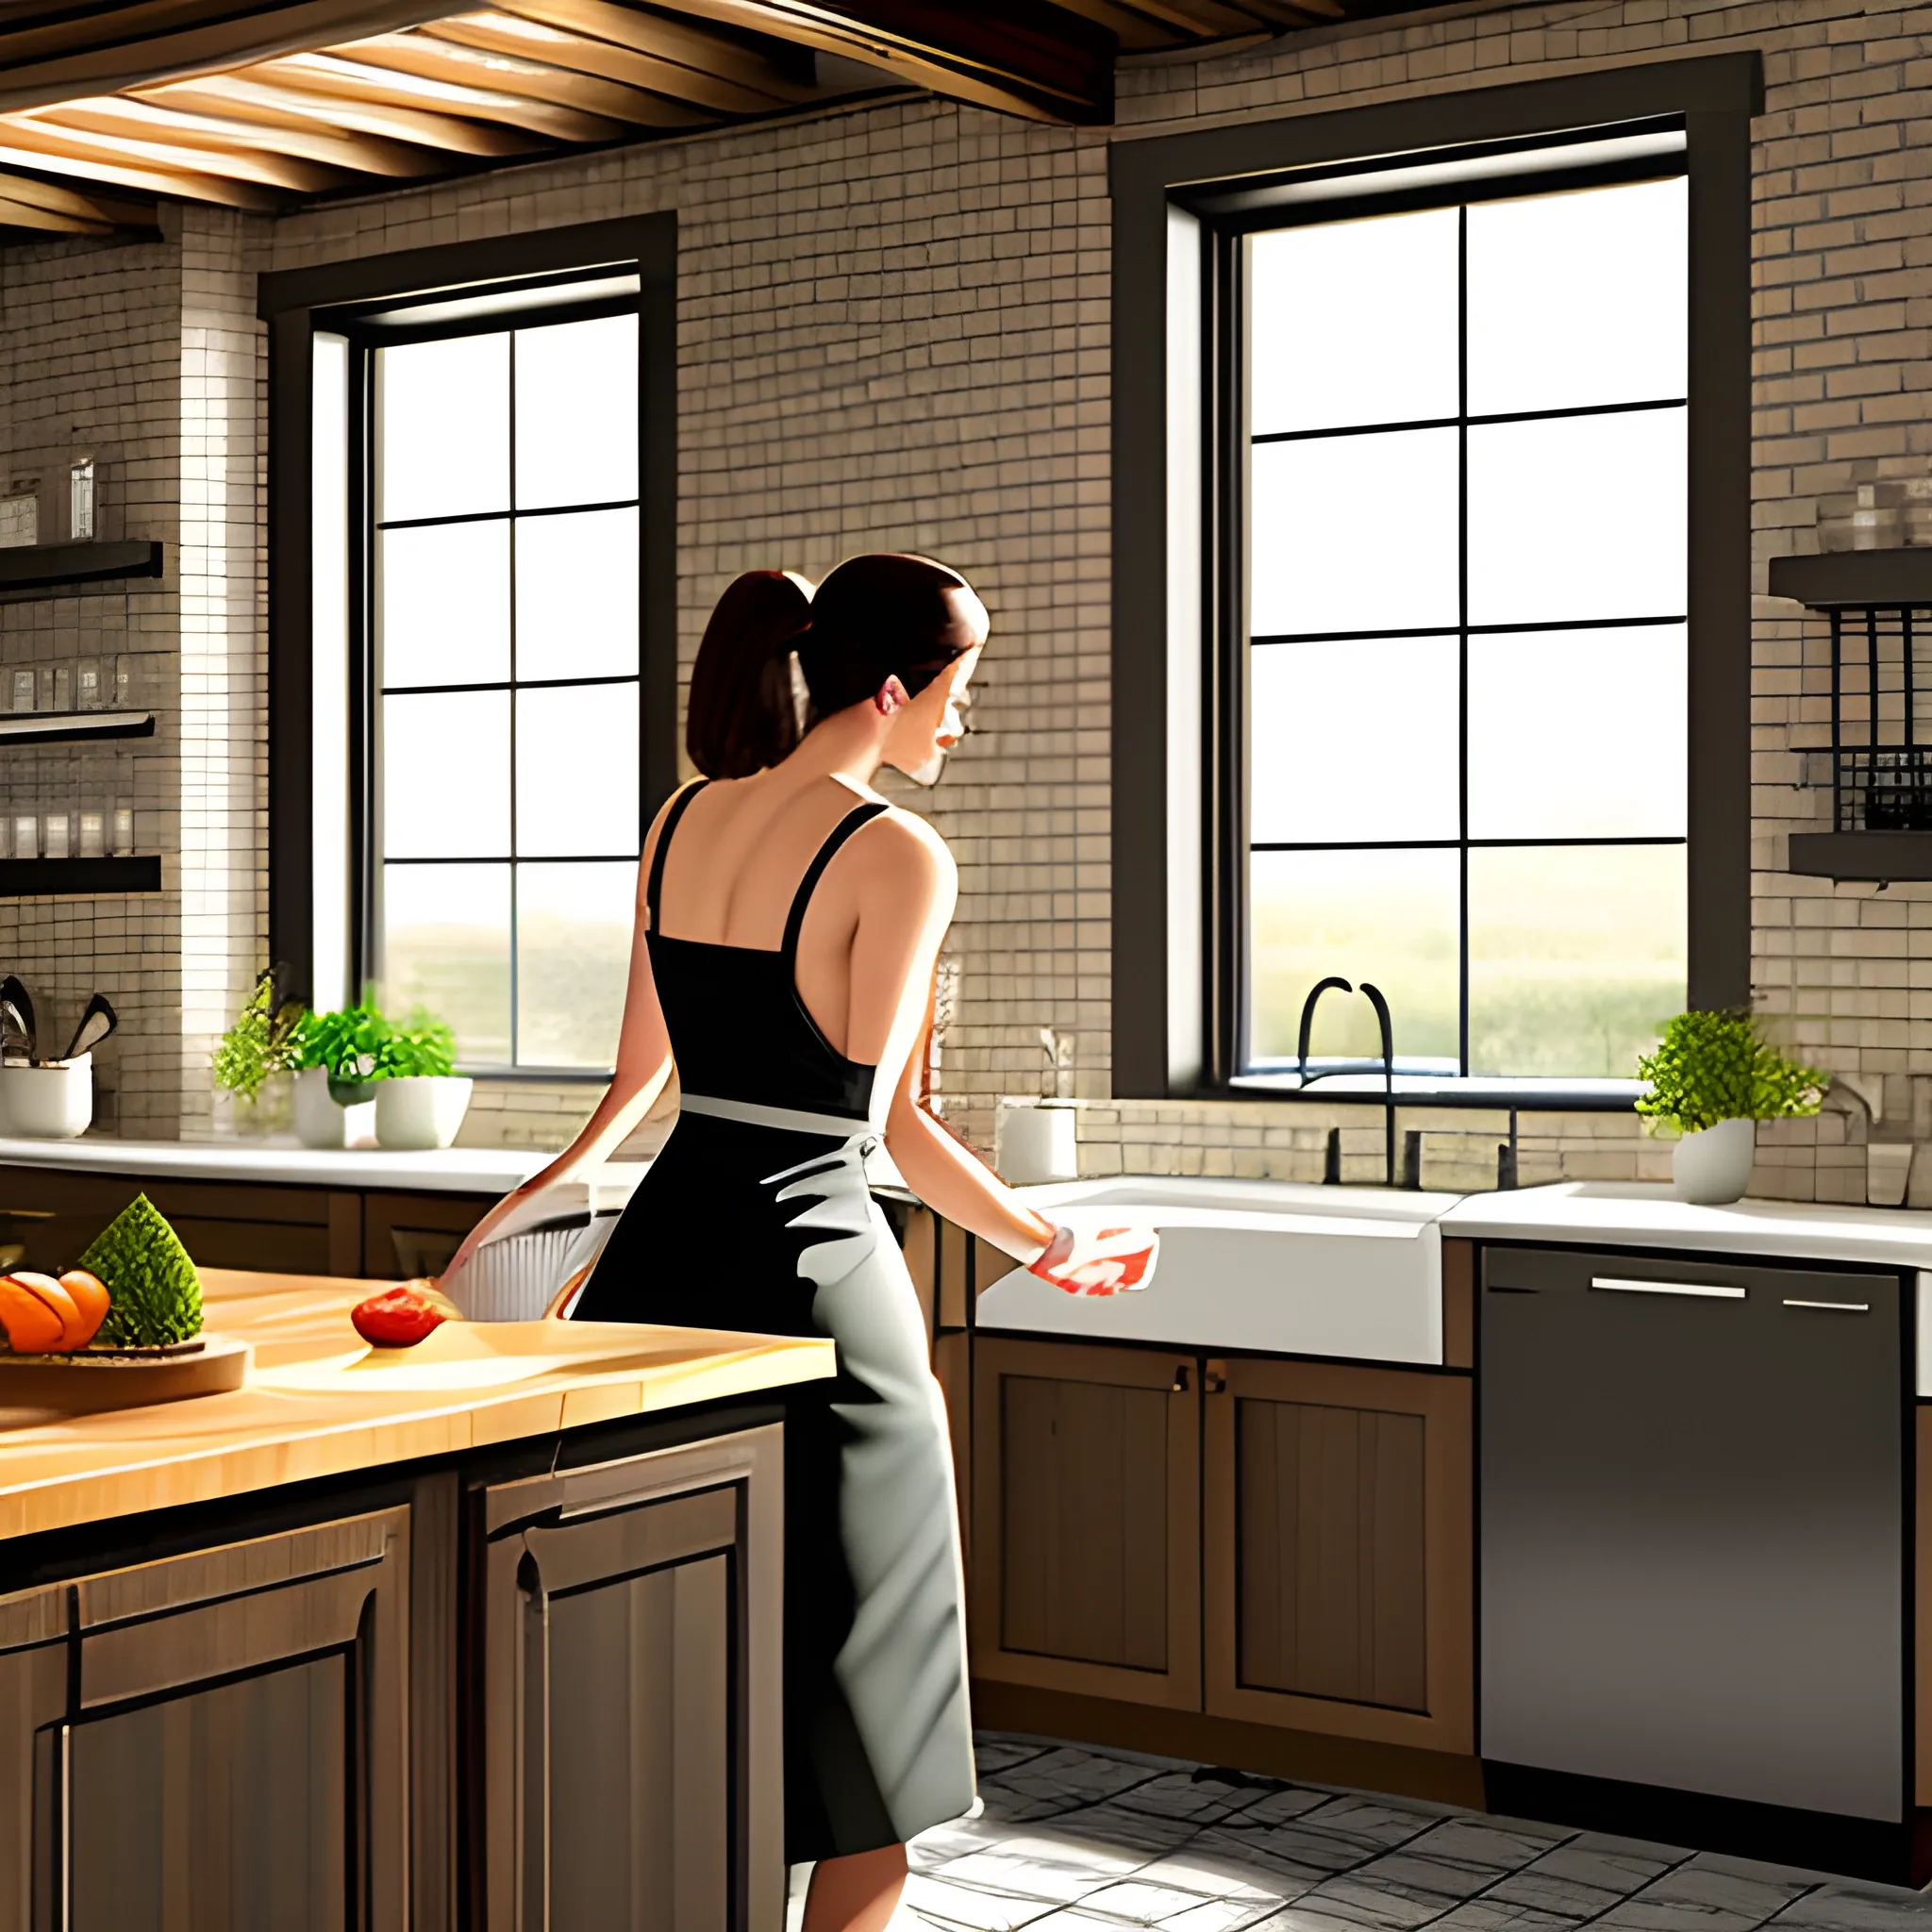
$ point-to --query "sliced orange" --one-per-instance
(74, 1328)
(89, 1293)
(32, 1325)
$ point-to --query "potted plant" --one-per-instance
(420, 1099)
(1714, 1077)
(334, 1058)
(256, 1051)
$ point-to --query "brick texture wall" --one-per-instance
(894, 334)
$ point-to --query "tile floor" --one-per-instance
(1070, 1839)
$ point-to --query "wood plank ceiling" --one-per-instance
(108, 109)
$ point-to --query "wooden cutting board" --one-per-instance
(87, 1384)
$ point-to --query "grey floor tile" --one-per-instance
(1287, 1849)
(1840, 1908)
(1057, 1868)
(1339, 1905)
(930, 1901)
(1490, 1914)
(943, 1843)
(1582, 1878)
(1378, 1824)
(1056, 1781)
(1180, 1795)
(1687, 1900)
(1134, 1903)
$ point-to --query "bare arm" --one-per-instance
(906, 906)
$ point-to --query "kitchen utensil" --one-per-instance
(17, 1005)
(52, 1101)
(97, 1021)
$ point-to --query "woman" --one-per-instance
(792, 920)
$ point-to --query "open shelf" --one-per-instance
(1885, 855)
(39, 878)
(76, 566)
(1855, 579)
(50, 728)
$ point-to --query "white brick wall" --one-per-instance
(894, 333)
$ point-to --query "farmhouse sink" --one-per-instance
(1355, 1272)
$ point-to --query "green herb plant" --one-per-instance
(1718, 1066)
(262, 1041)
(154, 1293)
(425, 1048)
(344, 1045)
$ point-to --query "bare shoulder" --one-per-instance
(908, 845)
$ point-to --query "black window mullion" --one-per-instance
(1462, 638)
(515, 667)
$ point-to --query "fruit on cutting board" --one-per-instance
(74, 1331)
(400, 1317)
(89, 1293)
(32, 1325)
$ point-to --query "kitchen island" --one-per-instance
(471, 1641)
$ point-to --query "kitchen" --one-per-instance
(983, 299)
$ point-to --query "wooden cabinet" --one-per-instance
(629, 1683)
(215, 1742)
(1338, 1532)
(1085, 1573)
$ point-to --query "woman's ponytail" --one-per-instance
(741, 716)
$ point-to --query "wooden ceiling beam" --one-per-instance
(529, 80)
(357, 80)
(21, 214)
(130, 115)
(178, 186)
(109, 49)
(651, 34)
(1021, 57)
(274, 104)
(504, 32)
(270, 170)
(94, 211)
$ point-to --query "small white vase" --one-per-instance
(1036, 1144)
(1714, 1167)
(319, 1121)
(422, 1112)
(51, 1103)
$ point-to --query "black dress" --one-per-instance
(755, 1215)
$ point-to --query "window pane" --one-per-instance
(1577, 734)
(577, 770)
(1575, 957)
(578, 412)
(444, 428)
(1353, 321)
(445, 604)
(1329, 516)
(1578, 298)
(446, 946)
(574, 929)
(445, 776)
(578, 595)
(1352, 740)
(1387, 917)
(1577, 518)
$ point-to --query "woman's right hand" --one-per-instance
(1113, 1260)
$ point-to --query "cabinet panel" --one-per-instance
(1085, 1571)
(1338, 1551)
(1330, 1521)
(415, 1234)
(630, 1694)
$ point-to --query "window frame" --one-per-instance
(1179, 633)
(347, 299)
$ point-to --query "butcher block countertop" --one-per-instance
(317, 1405)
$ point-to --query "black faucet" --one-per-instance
(1387, 1033)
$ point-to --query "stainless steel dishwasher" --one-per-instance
(1691, 1526)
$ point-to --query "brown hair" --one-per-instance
(874, 617)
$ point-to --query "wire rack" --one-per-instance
(1881, 719)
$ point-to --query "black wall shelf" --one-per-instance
(39, 878)
(1882, 856)
(56, 728)
(1855, 579)
(77, 566)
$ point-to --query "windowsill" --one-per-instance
(1437, 1089)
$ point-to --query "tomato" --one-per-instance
(399, 1317)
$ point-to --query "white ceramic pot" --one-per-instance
(1714, 1167)
(422, 1112)
(319, 1121)
(1036, 1144)
(53, 1103)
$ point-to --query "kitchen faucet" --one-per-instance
(1387, 1032)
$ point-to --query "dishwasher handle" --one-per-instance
(1703, 1290)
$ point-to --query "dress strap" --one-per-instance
(859, 816)
(654, 886)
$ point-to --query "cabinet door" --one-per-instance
(631, 1652)
(1086, 1551)
(1338, 1551)
(223, 1746)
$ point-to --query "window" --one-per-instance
(1431, 597)
(1463, 525)
(504, 673)
(473, 668)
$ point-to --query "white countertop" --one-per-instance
(1647, 1214)
(284, 1163)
